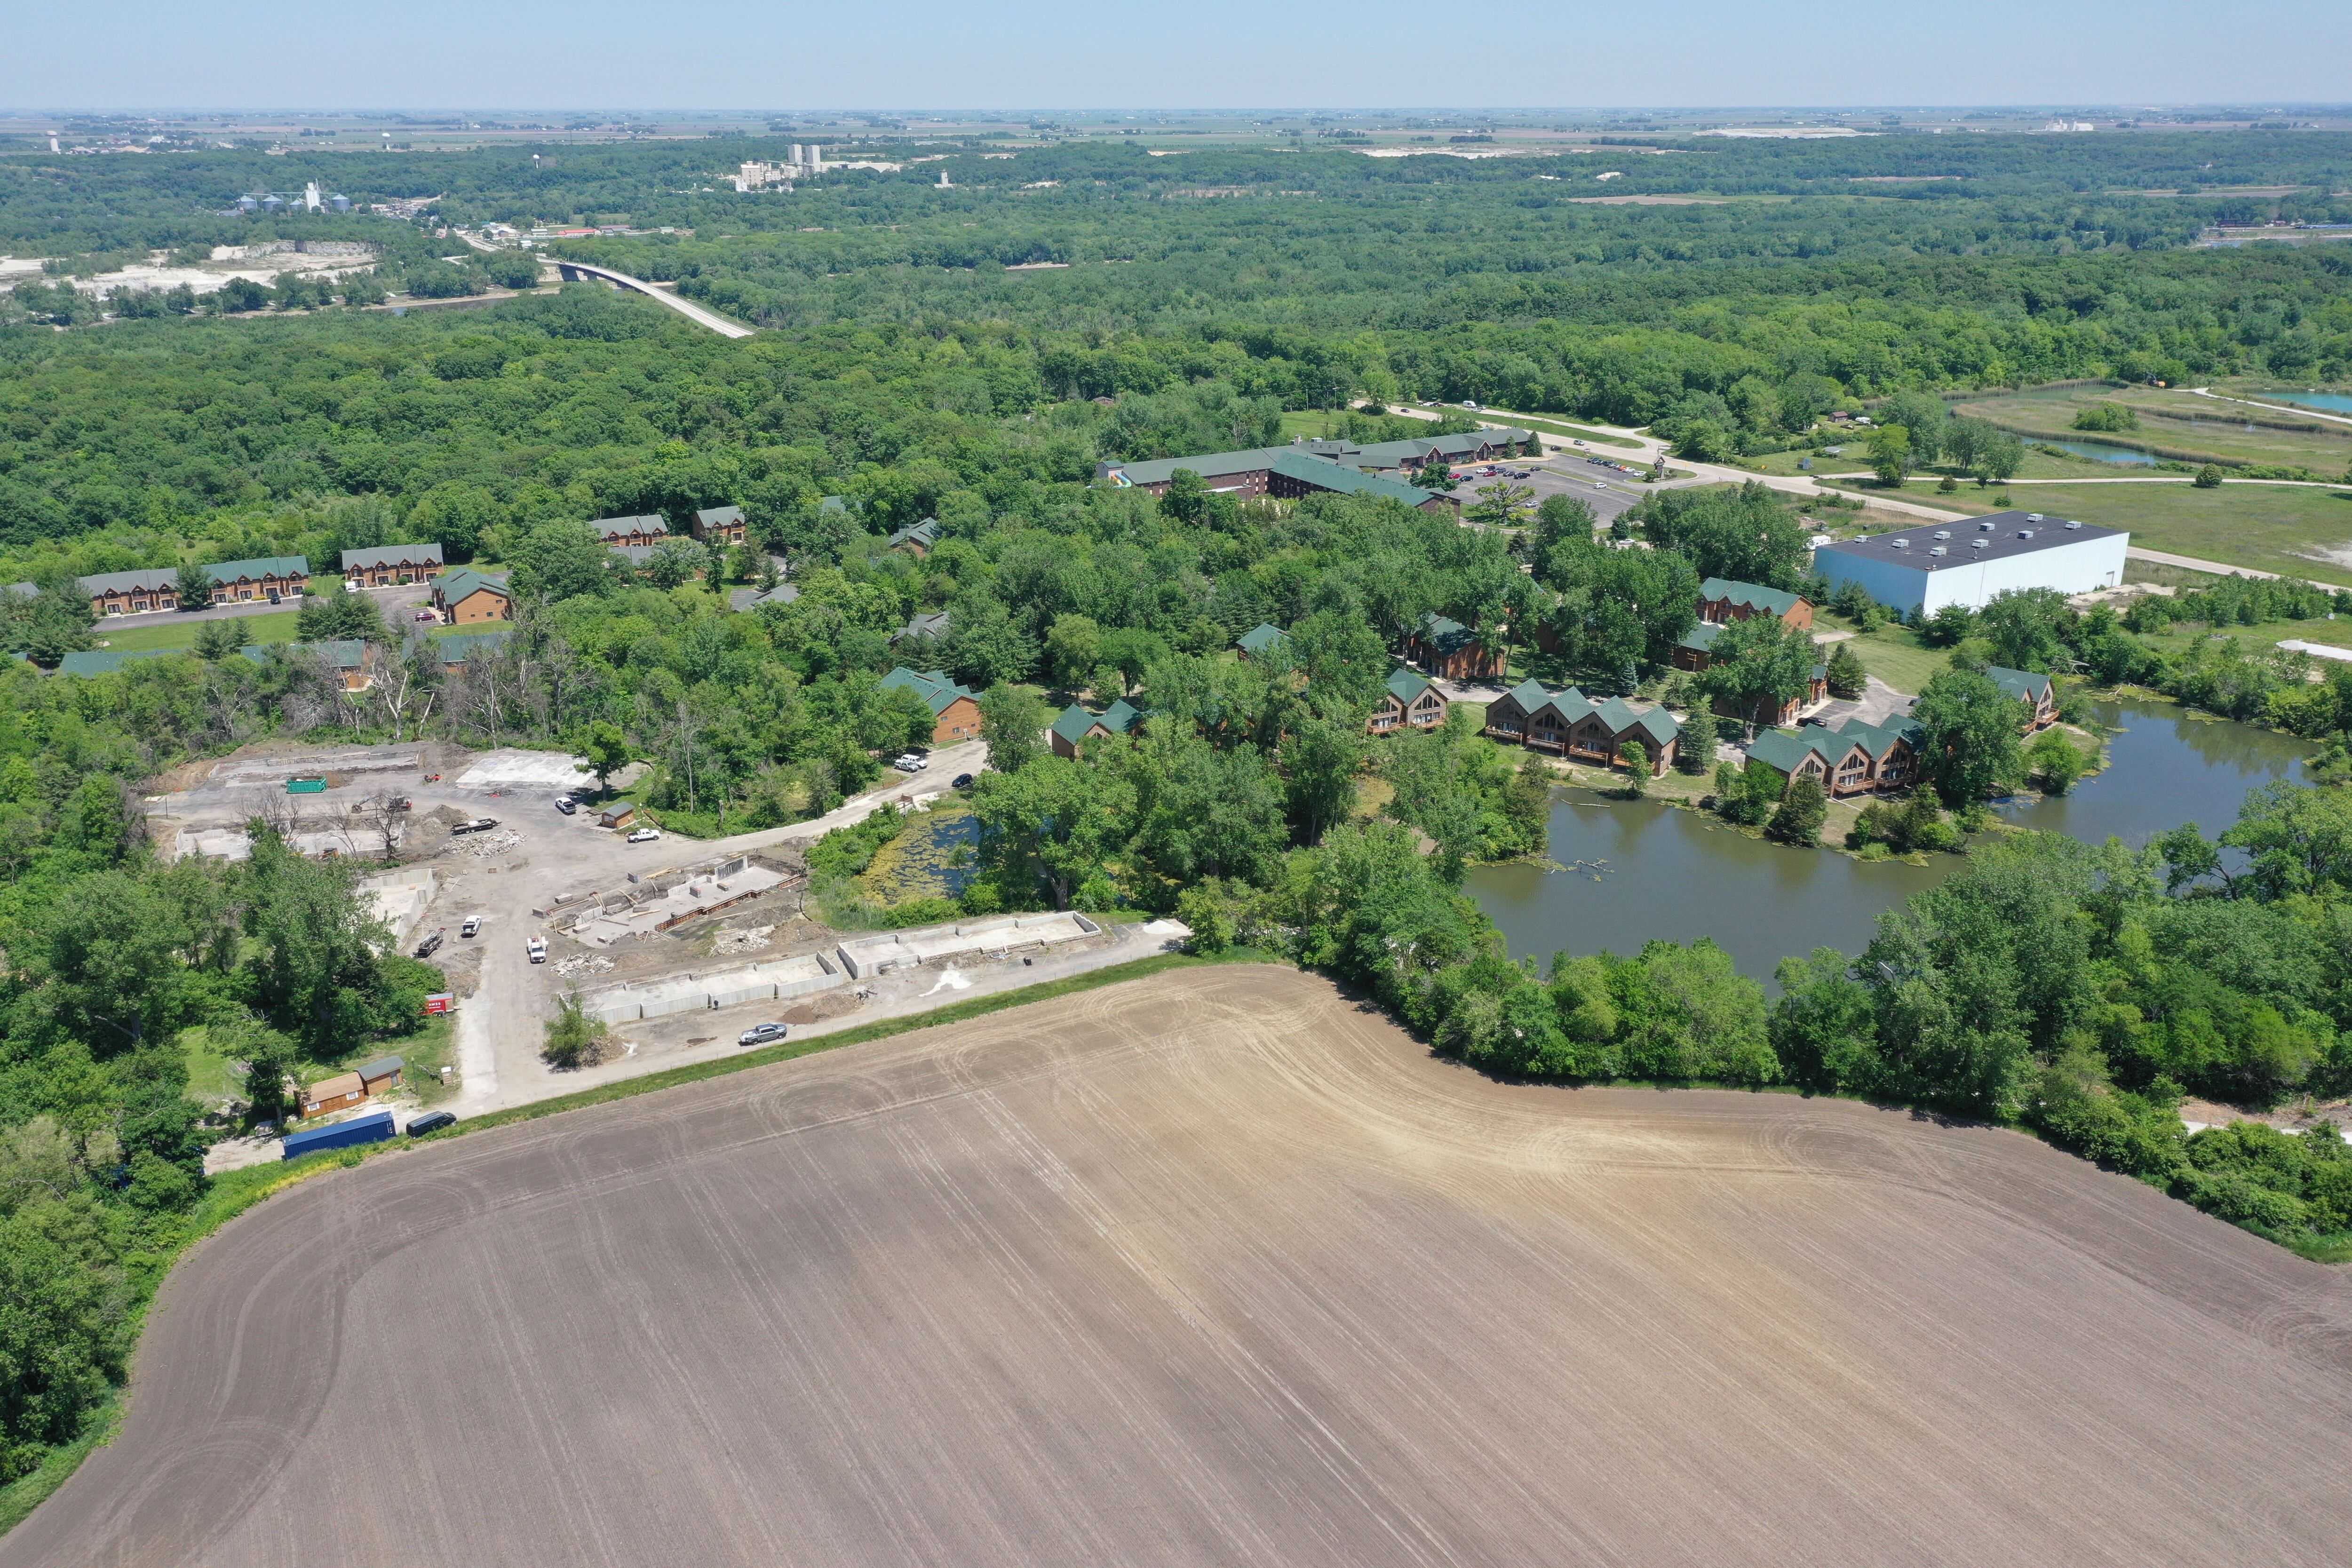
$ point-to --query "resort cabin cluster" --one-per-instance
(271, 579)
(1452, 651)
(955, 709)
(467, 598)
(1570, 724)
(391, 565)
(1076, 726)
(1408, 702)
(1721, 601)
(1855, 758)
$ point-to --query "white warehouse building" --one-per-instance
(1921, 569)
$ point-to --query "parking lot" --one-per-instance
(1605, 490)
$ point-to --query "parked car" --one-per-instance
(760, 1033)
(566, 804)
(644, 835)
(475, 824)
(425, 949)
(473, 927)
(962, 780)
(537, 947)
(911, 763)
(431, 1122)
(264, 1129)
(427, 616)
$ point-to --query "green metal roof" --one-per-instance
(106, 660)
(1120, 718)
(1208, 465)
(1259, 637)
(1752, 596)
(335, 653)
(453, 586)
(1406, 685)
(1701, 637)
(931, 685)
(2022, 684)
(260, 567)
(1787, 750)
(1329, 476)
(458, 649)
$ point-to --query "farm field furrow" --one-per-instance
(1221, 1267)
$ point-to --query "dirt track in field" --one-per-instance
(1217, 1268)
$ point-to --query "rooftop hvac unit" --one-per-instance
(1978, 543)
(2024, 533)
(2071, 526)
(1943, 533)
(1984, 528)
(1900, 543)
(1940, 550)
(2033, 517)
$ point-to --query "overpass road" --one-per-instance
(686, 308)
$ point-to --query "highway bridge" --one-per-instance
(572, 270)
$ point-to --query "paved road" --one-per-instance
(1711, 473)
(686, 308)
(1221, 1268)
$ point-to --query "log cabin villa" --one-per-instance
(1569, 724)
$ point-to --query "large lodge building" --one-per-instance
(1308, 467)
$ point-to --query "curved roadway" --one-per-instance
(686, 308)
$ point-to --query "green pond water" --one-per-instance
(1633, 871)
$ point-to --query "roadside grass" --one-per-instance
(277, 627)
(2269, 633)
(2171, 421)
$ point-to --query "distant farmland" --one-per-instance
(1218, 1267)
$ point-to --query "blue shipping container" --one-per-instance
(373, 1128)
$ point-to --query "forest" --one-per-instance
(903, 374)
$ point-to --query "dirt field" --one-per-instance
(1220, 1268)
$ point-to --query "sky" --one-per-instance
(490, 55)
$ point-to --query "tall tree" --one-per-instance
(1759, 661)
(1971, 752)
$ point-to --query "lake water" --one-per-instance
(1635, 871)
(2101, 452)
(2333, 402)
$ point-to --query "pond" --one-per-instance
(1633, 871)
(2333, 402)
(2103, 452)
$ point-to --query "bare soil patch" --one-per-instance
(1220, 1267)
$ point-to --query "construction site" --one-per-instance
(675, 946)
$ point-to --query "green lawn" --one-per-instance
(1895, 654)
(2335, 633)
(275, 627)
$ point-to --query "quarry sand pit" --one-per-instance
(1218, 1267)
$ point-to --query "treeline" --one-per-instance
(112, 957)
(2076, 992)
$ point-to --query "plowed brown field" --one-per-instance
(1219, 1268)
